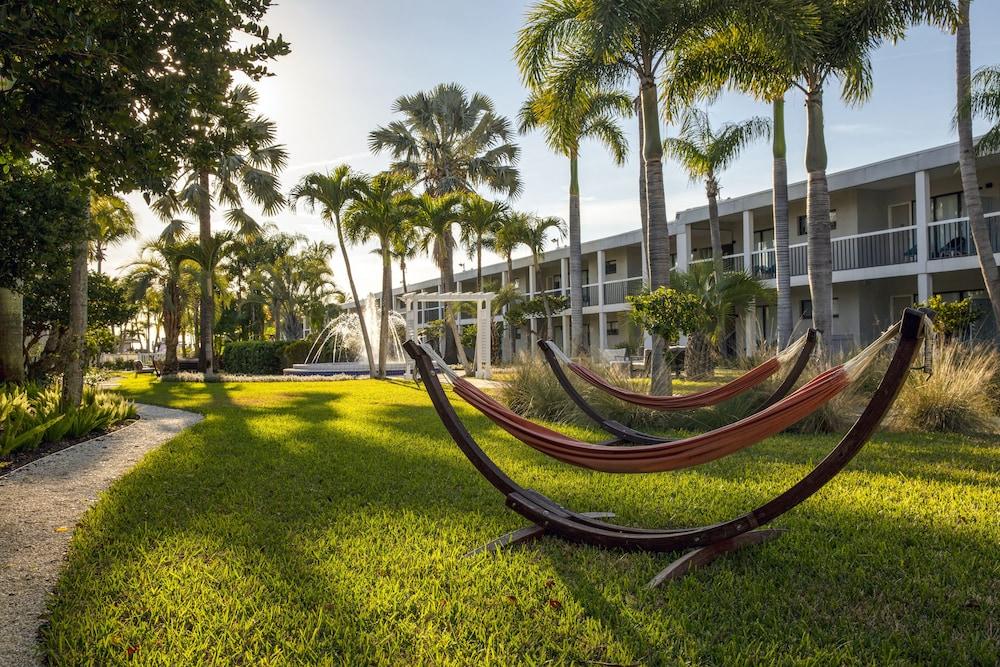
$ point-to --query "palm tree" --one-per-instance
(479, 218)
(330, 194)
(536, 234)
(405, 246)
(504, 240)
(591, 114)
(723, 298)
(985, 100)
(159, 267)
(436, 215)
(112, 222)
(236, 160)
(450, 142)
(705, 152)
(380, 211)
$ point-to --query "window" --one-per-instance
(902, 215)
(763, 239)
(804, 222)
(947, 207)
(556, 282)
(612, 327)
(610, 267)
(806, 308)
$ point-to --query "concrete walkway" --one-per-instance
(40, 505)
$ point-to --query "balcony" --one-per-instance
(615, 291)
(732, 262)
(857, 251)
(953, 238)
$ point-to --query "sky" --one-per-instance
(350, 60)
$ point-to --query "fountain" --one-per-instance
(339, 348)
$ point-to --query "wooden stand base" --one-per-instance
(704, 555)
(526, 534)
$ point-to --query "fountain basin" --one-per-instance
(342, 368)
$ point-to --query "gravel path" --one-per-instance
(40, 504)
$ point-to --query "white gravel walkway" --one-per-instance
(40, 505)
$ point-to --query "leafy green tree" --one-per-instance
(705, 152)
(380, 212)
(590, 114)
(952, 318)
(330, 194)
(112, 222)
(450, 142)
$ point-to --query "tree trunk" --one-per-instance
(11, 336)
(72, 389)
(402, 270)
(171, 324)
(712, 190)
(967, 165)
(447, 282)
(206, 355)
(820, 257)
(779, 205)
(575, 262)
(354, 293)
(545, 299)
(643, 205)
(659, 238)
(383, 329)
(698, 359)
(99, 255)
(508, 334)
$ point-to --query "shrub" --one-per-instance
(295, 352)
(32, 414)
(254, 357)
(959, 396)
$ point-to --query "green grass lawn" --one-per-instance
(325, 523)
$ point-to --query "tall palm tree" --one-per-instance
(330, 194)
(159, 267)
(504, 240)
(405, 246)
(436, 215)
(112, 222)
(479, 218)
(450, 142)
(236, 160)
(380, 211)
(986, 99)
(591, 114)
(536, 234)
(705, 152)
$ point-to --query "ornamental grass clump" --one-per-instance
(532, 391)
(959, 396)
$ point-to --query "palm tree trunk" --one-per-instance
(383, 330)
(545, 298)
(779, 205)
(659, 238)
(354, 295)
(206, 356)
(508, 335)
(402, 270)
(11, 336)
(99, 255)
(575, 260)
(72, 389)
(643, 204)
(712, 190)
(820, 252)
(698, 362)
(967, 165)
(171, 324)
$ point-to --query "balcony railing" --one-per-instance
(615, 291)
(732, 262)
(953, 238)
(858, 251)
(590, 296)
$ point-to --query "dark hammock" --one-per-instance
(790, 356)
(550, 517)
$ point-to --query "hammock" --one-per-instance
(677, 454)
(700, 399)
(796, 356)
(710, 541)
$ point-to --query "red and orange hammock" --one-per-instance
(701, 399)
(677, 454)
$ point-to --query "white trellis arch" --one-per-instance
(484, 320)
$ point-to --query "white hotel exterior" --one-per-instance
(900, 237)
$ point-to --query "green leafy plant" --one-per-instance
(952, 317)
(254, 357)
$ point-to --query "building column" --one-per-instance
(602, 317)
(564, 275)
(750, 330)
(565, 333)
(922, 217)
(531, 322)
(747, 240)
(683, 249)
(925, 287)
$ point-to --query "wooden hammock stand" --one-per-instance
(553, 355)
(707, 542)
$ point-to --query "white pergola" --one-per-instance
(484, 320)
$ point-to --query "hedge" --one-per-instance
(263, 357)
